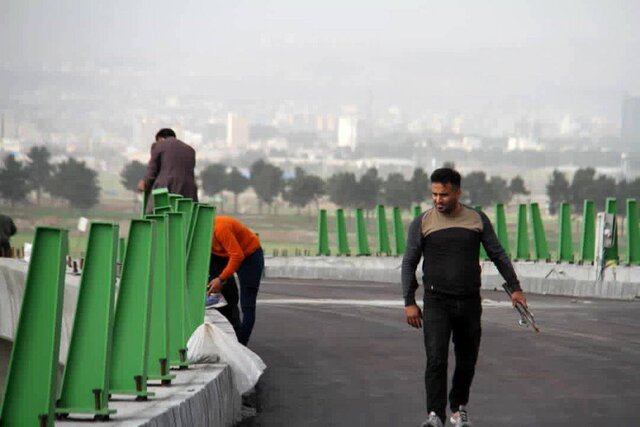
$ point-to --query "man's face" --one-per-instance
(445, 197)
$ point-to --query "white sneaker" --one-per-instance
(460, 418)
(432, 421)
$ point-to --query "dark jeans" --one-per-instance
(443, 318)
(249, 273)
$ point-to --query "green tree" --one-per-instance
(302, 189)
(342, 188)
(73, 181)
(131, 174)
(397, 191)
(498, 190)
(38, 169)
(516, 186)
(557, 190)
(476, 189)
(236, 183)
(266, 180)
(420, 186)
(213, 178)
(13, 180)
(368, 190)
(582, 187)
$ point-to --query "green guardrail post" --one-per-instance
(158, 357)
(177, 290)
(417, 210)
(540, 246)
(382, 232)
(565, 237)
(162, 210)
(323, 234)
(85, 385)
(160, 198)
(522, 235)
(633, 233)
(341, 228)
(131, 326)
(185, 205)
(31, 383)
(173, 201)
(398, 231)
(145, 201)
(611, 254)
(361, 233)
(501, 228)
(198, 258)
(588, 239)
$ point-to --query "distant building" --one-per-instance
(630, 129)
(348, 132)
(237, 131)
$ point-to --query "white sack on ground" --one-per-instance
(209, 341)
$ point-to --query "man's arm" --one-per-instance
(236, 255)
(501, 260)
(153, 167)
(410, 261)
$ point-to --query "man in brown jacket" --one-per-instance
(171, 166)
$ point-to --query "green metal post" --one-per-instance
(131, 326)
(633, 233)
(30, 387)
(565, 238)
(173, 201)
(611, 254)
(192, 224)
(341, 228)
(501, 228)
(185, 205)
(483, 252)
(162, 210)
(145, 202)
(417, 210)
(323, 234)
(160, 198)
(540, 247)
(382, 232)
(177, 290)
(522, 235)
(122, 246)
(198, 258)
(158, 357)
(85, 385)
(361, 233)
(398, 231)
(588, 240)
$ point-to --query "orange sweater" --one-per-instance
(233, 240)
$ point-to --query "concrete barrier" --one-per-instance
(619, 282)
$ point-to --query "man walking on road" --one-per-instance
(448, 237)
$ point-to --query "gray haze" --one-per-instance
(467, 55)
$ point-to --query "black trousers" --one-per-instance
(445, 317)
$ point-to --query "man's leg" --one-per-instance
(437, 332)
(466, 339)
(249, 273)
(229, 292)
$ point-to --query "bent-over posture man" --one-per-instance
(170, 166)
(236, 249)
(448, 237)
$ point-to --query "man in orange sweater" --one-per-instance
(236, 249)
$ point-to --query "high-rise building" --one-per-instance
(237, 131)
(348, 132)
(630, 129)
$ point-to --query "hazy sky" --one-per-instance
(445, 50)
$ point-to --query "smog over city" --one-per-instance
(506, 87)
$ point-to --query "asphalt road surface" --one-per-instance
(341, 354)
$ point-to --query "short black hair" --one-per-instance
(446, 176)
(165, 133)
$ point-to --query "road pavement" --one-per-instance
(341, 354)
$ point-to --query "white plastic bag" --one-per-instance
(208, 340)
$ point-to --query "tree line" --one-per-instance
(73, 181)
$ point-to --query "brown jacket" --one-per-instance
(172, 166)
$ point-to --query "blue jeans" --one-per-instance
(249, 273)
